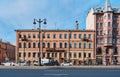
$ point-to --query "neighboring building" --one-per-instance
(7, 52)
(105, 21)
(62, 45)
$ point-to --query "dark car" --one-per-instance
(52, 63)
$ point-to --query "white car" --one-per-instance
(66, 64)
(43, 61)
(22, 63)
(9, 64)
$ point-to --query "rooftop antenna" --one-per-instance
(55, 25)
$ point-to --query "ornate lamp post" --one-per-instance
(44, 22)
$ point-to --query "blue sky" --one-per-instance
(60, 14)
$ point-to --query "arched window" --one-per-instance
(60, 45)
(34, 45)
(80, 45)
(43, 45)
(29, 45)
(48, 45)
(90, 45)
(54, 45)
(75, 45)
(24, 45)
(20, 45)
(65, 45)
(20, 36)
(38, 45)
(29, 54)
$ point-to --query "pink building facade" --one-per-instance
(105, 21)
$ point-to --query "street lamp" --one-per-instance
(44, 22)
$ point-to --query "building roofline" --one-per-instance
(34, 30)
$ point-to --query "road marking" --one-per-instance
(56, 74)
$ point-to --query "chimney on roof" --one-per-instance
(77, 25)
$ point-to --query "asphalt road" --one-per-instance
(60, 72)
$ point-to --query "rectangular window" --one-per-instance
(48, 55)
(20, 36)
(75, 46)
(109, 23)
(52, 54)
(48, 35)
(89, 45)
(84, 36)
(89, 55)
(65, 36)
(97, 25)
(97, 33)
(70, 35)
(43, 45)
(84, 45)
(60, 36)
(34, 36)
(75, 36)
(24, 54)
(74, 55)
(34, 54)
(43, 35)
(80, 35)
(100, 32)
(60, 45)
(54, 35)
(84, 55)
(101, 25)
(80, 45)
(29, 54)
(43, 54)
(54, 45)
(109, 16)
(79, 55)
(108, 32)
(24, 45)
(19, 54)
(115, 18)
(89, 36)
(29, 36)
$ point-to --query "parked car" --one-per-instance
(22, 63)
(9, 64)
(66, 64)
(43, 61)
(52, 63)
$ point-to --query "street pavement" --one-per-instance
(61, 72)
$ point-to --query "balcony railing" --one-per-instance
(55, 50)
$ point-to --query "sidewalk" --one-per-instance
(70, 67)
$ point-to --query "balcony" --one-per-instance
(55, 50)
(86, 40)
(108, 44)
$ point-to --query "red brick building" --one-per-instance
(7, 51)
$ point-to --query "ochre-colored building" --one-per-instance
(62, 45)
(105, 20)
(7, 52)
